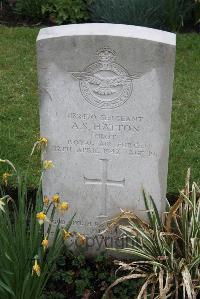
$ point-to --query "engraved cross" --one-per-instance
(104, 182)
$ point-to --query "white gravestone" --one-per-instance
(106, 97)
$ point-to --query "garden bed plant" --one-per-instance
(165, 251)
(172, 15)
(161, 260)
(26, 259)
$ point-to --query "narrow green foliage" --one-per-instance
(131, 12)
(169, 15)
(29, 9)
(197, 12)
(25, 261)
(176, 14)
(168, 250)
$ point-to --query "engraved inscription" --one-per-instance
(139, 150)
(105, 123)
(106, 134)
(106, 84)
(104, 182)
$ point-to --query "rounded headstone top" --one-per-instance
(108, 30)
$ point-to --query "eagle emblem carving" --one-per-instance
(106, 84)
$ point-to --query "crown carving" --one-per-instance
(106, 55)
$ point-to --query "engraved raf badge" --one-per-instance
(105, 84)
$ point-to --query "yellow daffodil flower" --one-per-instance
(56, 199)
(36, 268)
(40, 143)
(82, 239)
(45, 243)
(63, 206)
(5, 178)
(47, 164)
(41, 217)
(43, 141)
(46, 200)
(66, 234)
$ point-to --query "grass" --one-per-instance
(19, 113)
(185, 129)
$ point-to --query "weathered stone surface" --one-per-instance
(105, 107)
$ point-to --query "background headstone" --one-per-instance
(106, 95)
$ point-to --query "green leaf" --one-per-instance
(6, 288)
